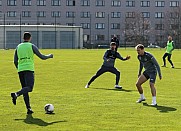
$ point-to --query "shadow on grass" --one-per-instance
(177, 68)
(124, 90)
(36, 121)
(163, 109)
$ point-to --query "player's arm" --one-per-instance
(121, 58)
(173, 44)
(140, 69)
(41, 56)
(105, 56)
(16, 59)
(157, 67)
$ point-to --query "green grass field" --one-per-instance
(61, 81)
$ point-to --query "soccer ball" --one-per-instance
(49, 108)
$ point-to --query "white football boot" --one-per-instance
(118, 87)
(87, 86)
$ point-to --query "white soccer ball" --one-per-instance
(49, 108)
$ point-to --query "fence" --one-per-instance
(44, 36)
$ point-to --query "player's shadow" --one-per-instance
(124, 90)
(162, 109)
(36, 121)
(177, 68)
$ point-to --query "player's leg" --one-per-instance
(164, 61)
(29, 78)
(99, 72)
(117, 73)
(152, 87)
(169, 59)
(23, 84)
(29, 82)
(142, 79)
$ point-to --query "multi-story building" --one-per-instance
(100, 19)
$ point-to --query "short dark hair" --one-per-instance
(112, 43)
(140, 46)
(26, 36)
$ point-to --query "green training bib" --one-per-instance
(25, 57)
(169, 47)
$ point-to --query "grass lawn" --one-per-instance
(61, 81)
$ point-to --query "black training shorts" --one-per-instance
(150, 75)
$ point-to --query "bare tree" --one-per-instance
(137, 29)
(173, 26)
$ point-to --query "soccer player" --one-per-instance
(108, 65)
(24, 62)
(169, 48)
(116, 40)
(151, 68)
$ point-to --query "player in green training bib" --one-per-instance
(169, 48)
(24, 62)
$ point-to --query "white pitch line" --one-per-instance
(76, 61)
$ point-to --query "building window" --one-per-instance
(174, 3)
(70, 3)
(159, 26)
(11, 2)
(174, 15)
(130, 14)
(85, 25)
(100, 37)
(100, 26)
(70, 14)
(55, 23)
(56, 14)
(26, 2)
(0, 2)
(85, 2)
(70, 24)
(100, 3)
(86, 38)
(115, 14)
(160, 3)
(41, 2)
(116, 3)
(85, 15)
(115, 26)
(159, 15)
(11, 13)
(146, 14)
(56, 3)
(130, 3)
(41, 14)
(145, 3)
(25, 23)
(26, 14)
(11, 24)
(100, 14)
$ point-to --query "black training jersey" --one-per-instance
(148, 62)
(110, 57)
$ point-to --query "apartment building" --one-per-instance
(100, 19)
